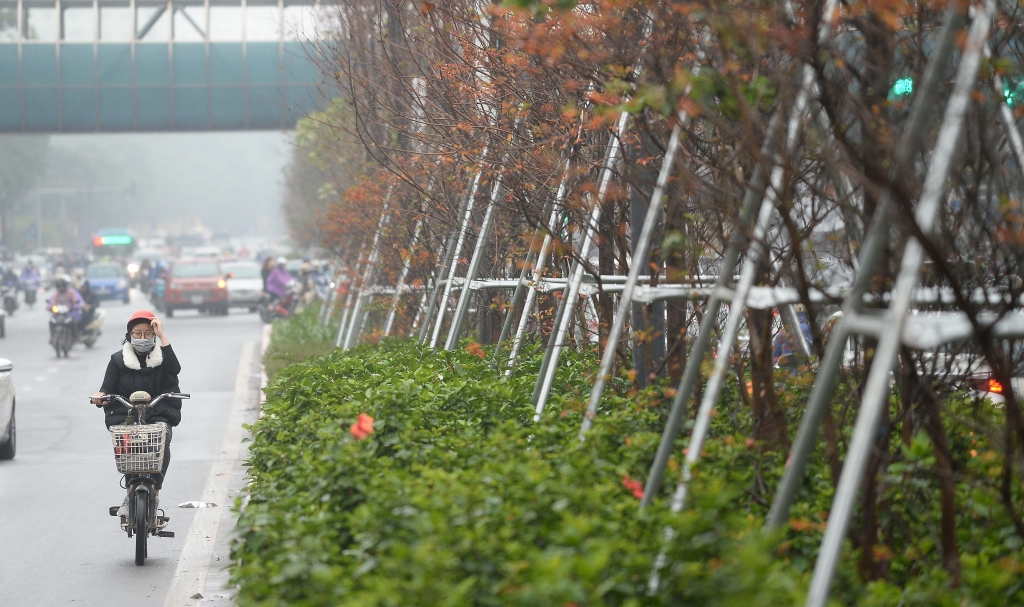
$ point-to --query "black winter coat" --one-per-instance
(156, 373)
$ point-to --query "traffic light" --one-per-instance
(1014, 95)
(903, 86)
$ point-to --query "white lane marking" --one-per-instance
(40, 378)
(195, 561)
(26, 388)
(52, 370)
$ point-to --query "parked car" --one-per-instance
(196, 284)
(8, 429)
(245, 283)
(108, 280)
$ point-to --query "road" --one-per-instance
(58, 544)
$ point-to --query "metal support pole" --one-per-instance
(355, 326)
(538, 270)
(474, 264)
(537, 266)
(344, 316)
(707, 325)
(876, 390)
(751, 266)
(639, 252)
(332, 299)
(521, 288)
(454, 266)
(1006, 116)
(406, 264)
(869, 255)
(549, 364)
(447, 259)
(791, 321)
(699, 348)
(572, 291)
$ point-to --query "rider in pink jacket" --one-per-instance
(66, 296)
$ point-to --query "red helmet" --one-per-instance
(140, 315)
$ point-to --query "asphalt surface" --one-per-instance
(58, 544)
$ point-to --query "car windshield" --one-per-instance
(244, 270)
(102, 272)
(196, 270)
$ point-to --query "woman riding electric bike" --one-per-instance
(143, 365)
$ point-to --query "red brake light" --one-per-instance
(986, 384)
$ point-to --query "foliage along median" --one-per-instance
(400, 475)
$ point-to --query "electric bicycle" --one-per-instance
(139, 455)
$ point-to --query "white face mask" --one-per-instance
(143, 345)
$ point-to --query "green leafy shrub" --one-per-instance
(458, 498)
(296, 339)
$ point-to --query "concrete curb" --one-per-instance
(268, 329)
(189, 582)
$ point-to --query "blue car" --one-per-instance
(108, 281)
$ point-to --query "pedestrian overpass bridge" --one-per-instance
(76, 66)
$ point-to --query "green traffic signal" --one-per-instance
(903, 86)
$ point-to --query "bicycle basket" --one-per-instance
(139, 449)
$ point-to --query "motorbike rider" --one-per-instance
(266, 269)
(143, 363)
(29, 279)
(10, 279)
(66, 296)
(29, 274)
(90, 301)
(279, 279)
(145, 275)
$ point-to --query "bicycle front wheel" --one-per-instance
(141, 526)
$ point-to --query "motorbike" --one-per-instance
(139, 450)
(31, 291)
(273, 308)
(156, 293)
(62, 329)
(93, 329)
(9, 293)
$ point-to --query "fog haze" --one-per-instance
(221, 181)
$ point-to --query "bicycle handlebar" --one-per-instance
(115, 397)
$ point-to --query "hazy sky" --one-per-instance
(221, 180)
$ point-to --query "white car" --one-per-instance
(8, 431)
(245, 283)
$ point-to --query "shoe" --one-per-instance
(123, 510)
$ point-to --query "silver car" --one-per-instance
(245, 284)
(8, 430)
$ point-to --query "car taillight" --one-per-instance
(986, 384)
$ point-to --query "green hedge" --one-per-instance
(297, 339)
(457, 498)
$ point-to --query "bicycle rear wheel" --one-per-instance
(141, 526)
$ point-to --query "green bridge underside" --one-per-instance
(181, 86)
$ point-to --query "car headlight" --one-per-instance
(221, 284)
(121, 284)
(133, 268)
